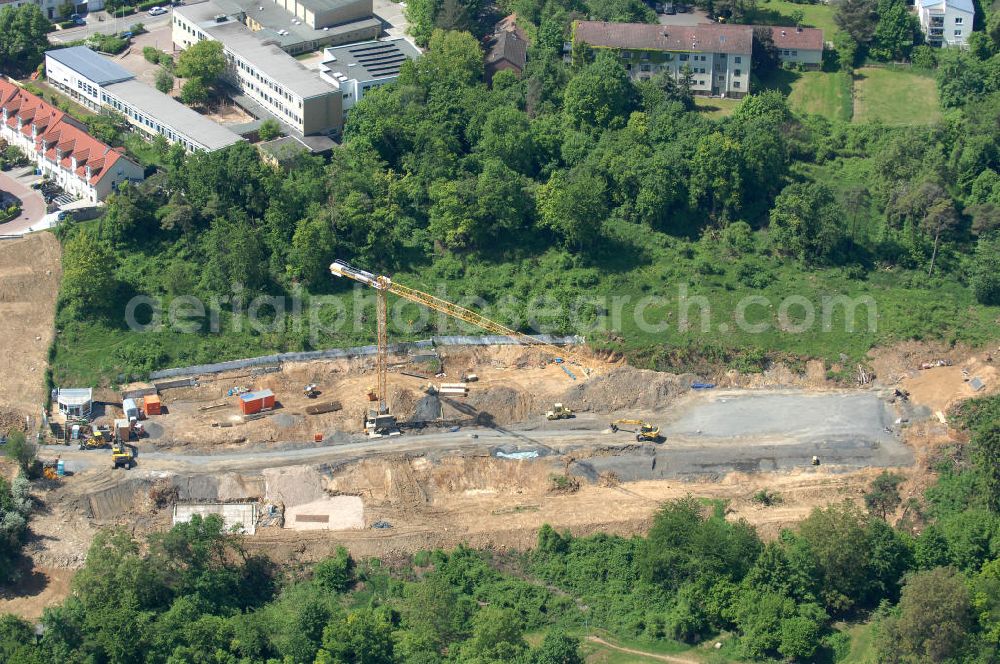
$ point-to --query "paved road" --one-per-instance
(708, 435)
(32, 205)
(109, 25)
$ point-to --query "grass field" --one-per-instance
(895, 97)
(823, 93)
(715, 107)
(779, 12)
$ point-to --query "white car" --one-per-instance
(157, 11)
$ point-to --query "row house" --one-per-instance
(60, 146)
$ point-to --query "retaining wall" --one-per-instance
(359, 351)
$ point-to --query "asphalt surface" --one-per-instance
(110, 25)
(32, 203)
(709, 435)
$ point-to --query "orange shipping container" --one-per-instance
(254, 402)
(151, 404)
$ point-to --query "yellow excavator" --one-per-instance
(121, 456)
(644, 431)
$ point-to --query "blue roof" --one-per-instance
(90, 65)
(252, 396)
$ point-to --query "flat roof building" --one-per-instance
(99, 83)
(258, 39)
(356, 68)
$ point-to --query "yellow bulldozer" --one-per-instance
(559, 412)
(96, 441)
(644, 431)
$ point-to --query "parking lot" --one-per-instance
(692, 16)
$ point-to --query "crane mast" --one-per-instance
(383, 285)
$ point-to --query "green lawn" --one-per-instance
(895, 97)
(823, 93)
(715, 107)
(779, 12)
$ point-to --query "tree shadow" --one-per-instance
(780, 80)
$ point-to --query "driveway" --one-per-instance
(32, 205)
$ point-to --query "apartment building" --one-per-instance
(99, 83)
(355, 69)
(946, 22)
(258, 53)
(802, 46)
(60, 146)
(717, 56)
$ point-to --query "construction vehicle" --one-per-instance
(378, 419)
(644, 431)
(122, 457)
(95, 442)
(559, 412)
(310, 391)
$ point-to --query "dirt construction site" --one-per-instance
(487, 467)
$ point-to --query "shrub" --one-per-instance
(151, 54)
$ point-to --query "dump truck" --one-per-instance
(559, 412)
(644, 431)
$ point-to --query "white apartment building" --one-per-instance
(717, 56)
(99, 83)
(261, 70)
(946, 22)
(62, 149)
(356, 68)
(50, 8)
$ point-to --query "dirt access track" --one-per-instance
(30, 270)
(493, 486)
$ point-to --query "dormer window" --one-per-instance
(88, 171)
(72, 163)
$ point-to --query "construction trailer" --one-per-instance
(75, 402)
(123, 429)
(131, 409)
(151, 404)
(255, 402)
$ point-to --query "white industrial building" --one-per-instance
(99, 83)
(259, 40)
(356, 68)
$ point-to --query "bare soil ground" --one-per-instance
(30, 270)
(439, 492)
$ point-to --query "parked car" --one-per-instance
(157, 11)
(670, 9)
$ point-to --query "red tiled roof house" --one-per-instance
(63, 150)
(717, 56)
(802, 46)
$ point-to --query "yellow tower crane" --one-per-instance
(384, 285)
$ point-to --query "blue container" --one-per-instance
(60, 468)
